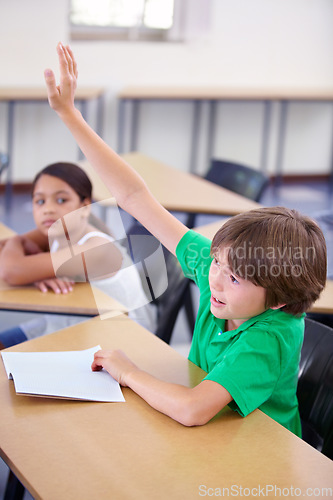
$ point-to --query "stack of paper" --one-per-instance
(61, 375)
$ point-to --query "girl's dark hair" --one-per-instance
(70, 173)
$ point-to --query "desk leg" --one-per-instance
(10, 148)
(83, 105)
(281, 141)
(195, 136)
(331, 177)
(121, 126)
(211, 131)
(134, 125)
(100, 116)
(266, 127)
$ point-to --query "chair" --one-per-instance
(315, 387)
(238, 178)
(143, 248)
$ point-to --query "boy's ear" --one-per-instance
(278, 306)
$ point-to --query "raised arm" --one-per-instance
(123, 181)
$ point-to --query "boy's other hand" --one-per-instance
(116, 363)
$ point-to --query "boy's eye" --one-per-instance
(233, 279)
(60, 201)
(216, 262)
(39, 202)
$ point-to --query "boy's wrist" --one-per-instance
(130, 377)
(69, 115)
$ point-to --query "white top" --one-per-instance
(125, 286)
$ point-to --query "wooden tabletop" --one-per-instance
(83, 300)
(27, 93)
(174, 189)
(126, 451)
(228, 93)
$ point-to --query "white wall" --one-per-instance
(252, 43)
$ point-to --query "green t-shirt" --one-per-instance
(257, 363)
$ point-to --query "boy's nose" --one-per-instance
(216, 280)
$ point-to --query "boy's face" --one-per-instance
(233, 298)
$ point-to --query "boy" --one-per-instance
(268, 266)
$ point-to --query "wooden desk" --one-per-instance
(68, 449)
(323, 305)
(15, 95)
(134, 96)
(175, 190)
(83, 300)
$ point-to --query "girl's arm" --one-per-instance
(123, 181)
(33, 240)
(19, 265)
(17, 268)
(189, 406)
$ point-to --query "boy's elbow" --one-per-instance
(192, 415)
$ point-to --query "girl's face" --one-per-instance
(53, 199)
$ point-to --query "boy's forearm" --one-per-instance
(175, 401)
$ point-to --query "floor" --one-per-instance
(314, 199)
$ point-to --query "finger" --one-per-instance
(41, 286)
(70, 52)
(68, 60)
(53, 285)
(64, 286)
(96, 367)
(63, 63)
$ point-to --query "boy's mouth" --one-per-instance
(214, 301)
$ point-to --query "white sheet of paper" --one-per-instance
(65, 374)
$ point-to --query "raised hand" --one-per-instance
(61, 97)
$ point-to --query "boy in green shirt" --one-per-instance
(262, 271)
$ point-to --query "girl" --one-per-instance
(61, 197)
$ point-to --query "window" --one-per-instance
(121, 19)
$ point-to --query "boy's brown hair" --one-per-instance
(280, 250)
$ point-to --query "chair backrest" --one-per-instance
(238, 178)
(315, 386)
(164, 282)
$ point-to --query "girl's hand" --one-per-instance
(61, 97)
(56, 284)
(116, 363)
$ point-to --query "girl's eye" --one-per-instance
(39, 202)
(60, 201)
(216, 262)
(233, 279)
